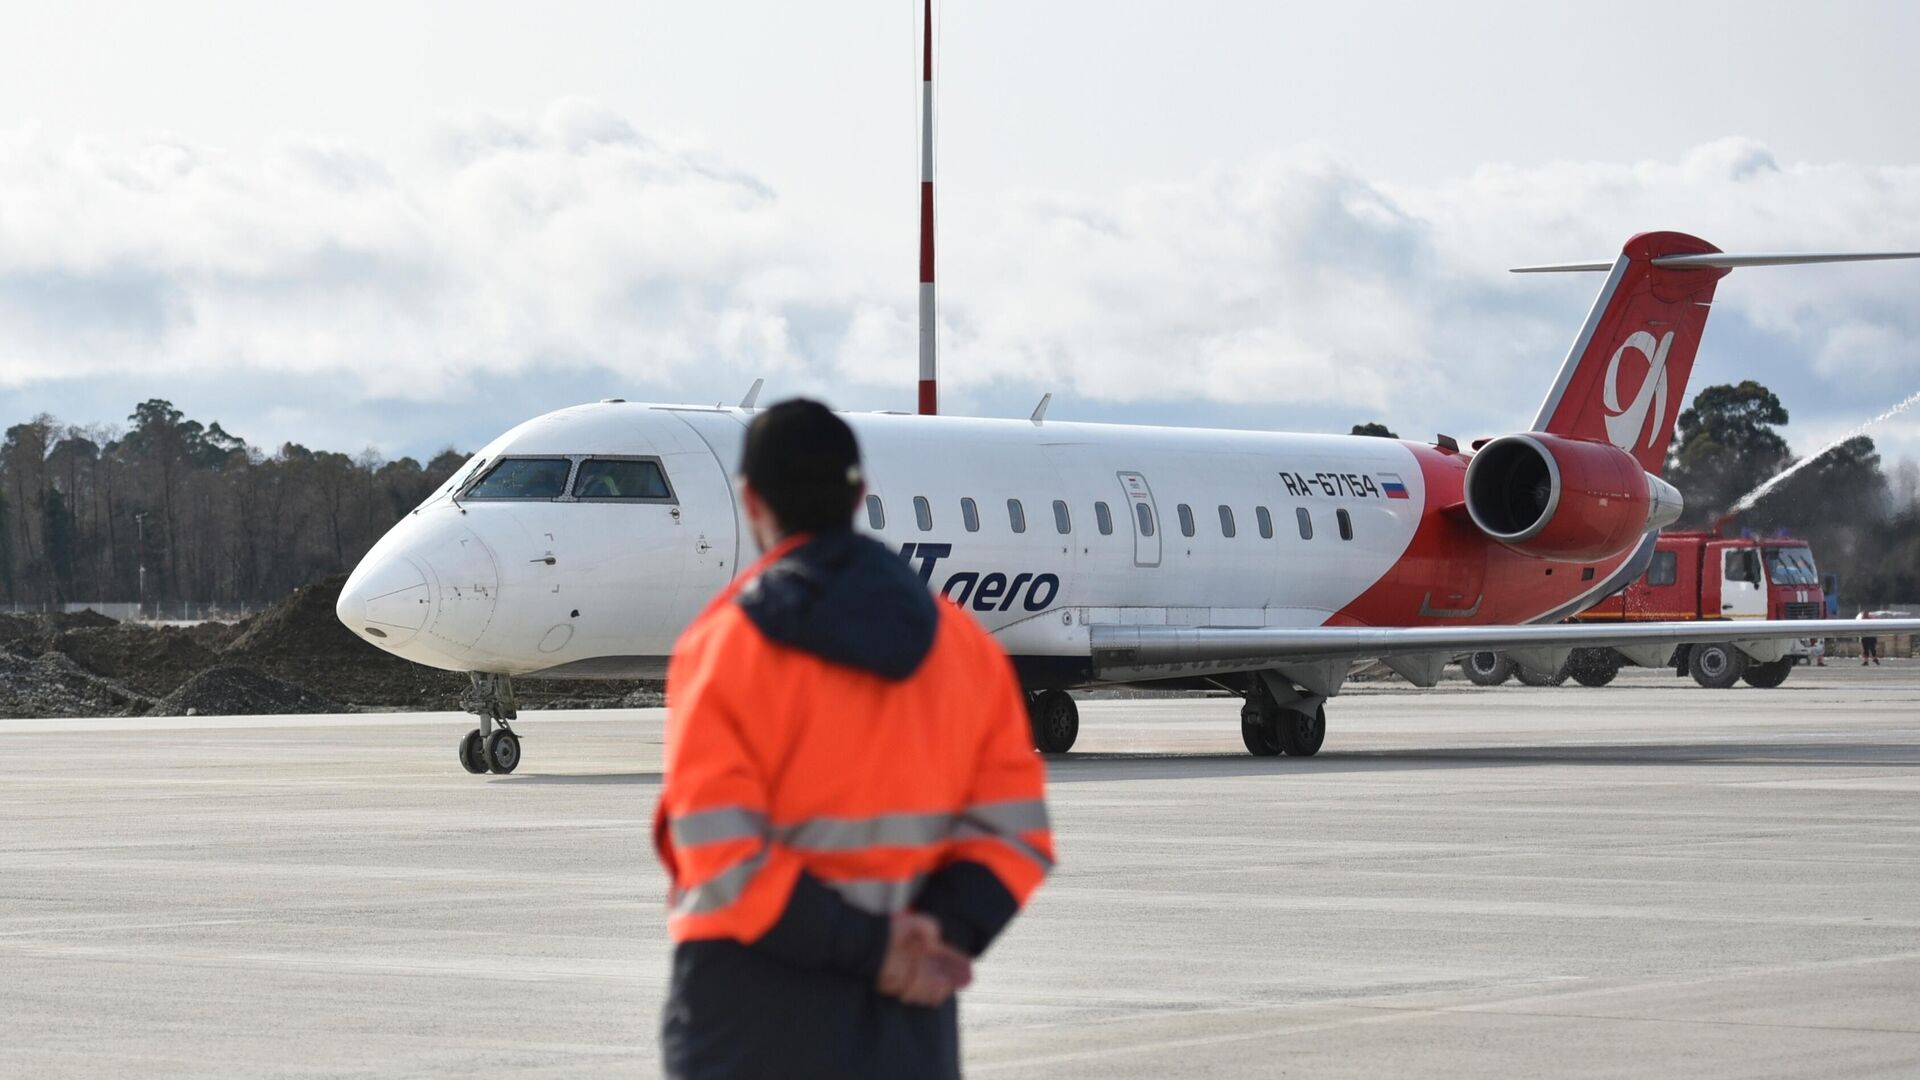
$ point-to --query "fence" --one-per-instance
(184, 611)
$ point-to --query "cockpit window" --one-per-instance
(625, 479)
(523, 478)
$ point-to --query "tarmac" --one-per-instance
(1645, 879)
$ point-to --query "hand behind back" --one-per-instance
(920, 968)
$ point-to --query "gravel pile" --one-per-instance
(53, 685)
(238, 691)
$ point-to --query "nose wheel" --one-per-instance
(498, 752)
(493, 746)
(473, 752)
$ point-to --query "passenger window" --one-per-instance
(923, 513)
(970, 515)
(1346, 524)
(523, 478)
(1061, 520)
(1266, 522)
(1146, 518)
(1226, 522)
(618, 478)
(1016, 515)
(1306, 523)
(1186, 519)
(876, 514)
(1103, 517)
(1665, 569)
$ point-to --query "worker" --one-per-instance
(852, 808)
(1869, 646)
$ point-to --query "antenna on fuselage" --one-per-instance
(929, 394)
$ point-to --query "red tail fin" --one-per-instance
(1624, 378)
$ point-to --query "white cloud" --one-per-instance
(498, 245)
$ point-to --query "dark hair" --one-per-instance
(805, 464)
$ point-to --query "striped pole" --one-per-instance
(929, 395)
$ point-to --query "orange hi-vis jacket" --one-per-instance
(823, 726)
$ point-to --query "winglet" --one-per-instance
(753, 394)
(1040, 410)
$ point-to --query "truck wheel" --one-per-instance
(1594, 667)
(1528, 678)
(1487, 668)
(1768, 676)
(1716, 666)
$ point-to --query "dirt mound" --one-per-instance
(229, 690)
(651, 696)
(53, 685)
(84, 619)
(300, 639)
(24, 635)
(151, 659)
(212, 636)
(297, 642)
(304, 623)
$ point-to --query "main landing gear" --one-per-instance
(1055, 719)
(1270, 728)
(485, 749)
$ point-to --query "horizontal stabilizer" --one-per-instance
(1725, 261)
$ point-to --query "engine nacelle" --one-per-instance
(1572, 500)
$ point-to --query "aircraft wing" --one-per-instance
(1319, 657)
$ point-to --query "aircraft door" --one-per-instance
(1145, 517)
(709, 522)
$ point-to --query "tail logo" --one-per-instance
(1625, 426)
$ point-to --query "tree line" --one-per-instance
(210, 517)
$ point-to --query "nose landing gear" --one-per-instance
(485, 749)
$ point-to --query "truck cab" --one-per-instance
(1705, 575)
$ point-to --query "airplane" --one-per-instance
(579, 544)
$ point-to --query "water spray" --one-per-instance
(1746, 501)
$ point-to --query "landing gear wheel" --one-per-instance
(1259, 729)
(1768, 676)
(473, 752)
(1593, 667)
(503, 751)
(1300, 734)
(1487, 668)
(1056, 722)
(1717, 665)
(1528, 678)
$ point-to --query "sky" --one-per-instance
(408, 226)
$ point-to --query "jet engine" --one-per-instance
(1571, 500)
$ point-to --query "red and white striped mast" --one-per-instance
(929, 394)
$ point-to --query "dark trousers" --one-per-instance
(733, 1011)
(1870, 648)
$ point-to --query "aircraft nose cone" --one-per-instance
(387, 602)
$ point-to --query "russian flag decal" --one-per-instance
(1390, 482)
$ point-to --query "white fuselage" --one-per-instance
(602, 588)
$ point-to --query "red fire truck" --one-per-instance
(1696, 575)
